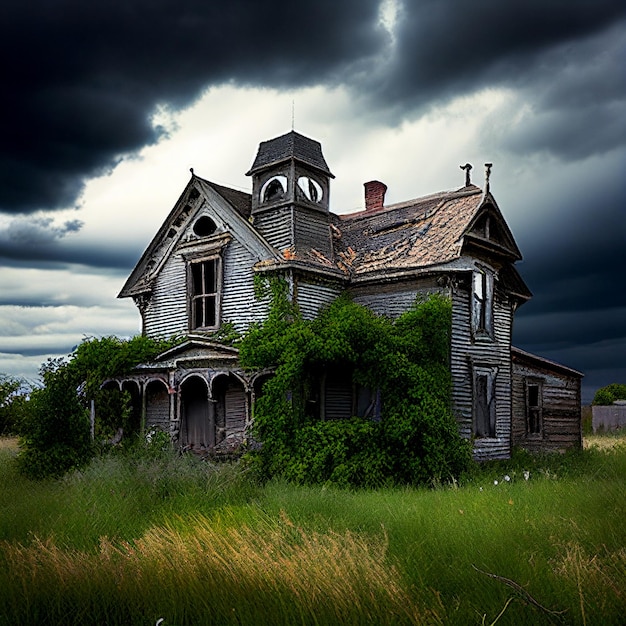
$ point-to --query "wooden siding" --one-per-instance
(166, 314)
(393, 301)
(239, 305)
(468, 354)
(312, 230)
(235, 409)
(560, 408)
(311, 297)
(276, 226)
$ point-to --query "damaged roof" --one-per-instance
(409, 235)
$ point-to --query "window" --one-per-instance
(533, 407)
(204, 284)
(482, 303)
(485, 402)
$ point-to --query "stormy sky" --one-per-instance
(108, 104)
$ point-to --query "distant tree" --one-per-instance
(13, 397)
(610, 393)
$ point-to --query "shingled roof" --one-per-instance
(414, 234)
(292, 145)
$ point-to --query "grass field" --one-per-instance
(537, 540)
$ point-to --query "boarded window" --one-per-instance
(204, 293)
(484, 403)
(482, 303)
(533, 407)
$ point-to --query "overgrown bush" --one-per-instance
(55, 433)
(406, 361)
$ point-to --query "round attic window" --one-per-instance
(204, 226)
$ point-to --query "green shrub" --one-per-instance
(55, 435)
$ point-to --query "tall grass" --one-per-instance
(132, 541)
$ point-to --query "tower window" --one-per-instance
(274, 189)
(310, 188)
(204, 282)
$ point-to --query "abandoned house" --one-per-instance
(197, 275)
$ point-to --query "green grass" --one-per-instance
(129, 542)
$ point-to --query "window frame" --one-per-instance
(538, 432)
(489, 374)
(205, 295)
(482, 303)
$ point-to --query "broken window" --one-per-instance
(482, 303)
(204, 293)
(533, 407)
(485, 402)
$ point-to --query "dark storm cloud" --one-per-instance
(81, 79)
(38, 242)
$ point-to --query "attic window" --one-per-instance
(204, 226)
(274, 189)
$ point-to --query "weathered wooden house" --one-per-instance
(197, 275)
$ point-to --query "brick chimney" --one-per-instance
(374, 195)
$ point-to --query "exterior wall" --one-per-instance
(166, 313)
(468, 354)
(311, 297)
(276, 226)
(560, 407)
(239, 304)
(609, 417)
(394, 299)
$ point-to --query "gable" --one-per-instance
(489, 231)
(205, 216)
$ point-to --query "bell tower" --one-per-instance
(290, 196)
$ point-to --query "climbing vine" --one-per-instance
(415, 438)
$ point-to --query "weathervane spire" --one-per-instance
(468, 168)
(488, 167)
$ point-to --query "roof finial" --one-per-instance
(293, 114)
(488, 167)
(467, 167)
(191, 170)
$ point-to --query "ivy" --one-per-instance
(416, 441)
